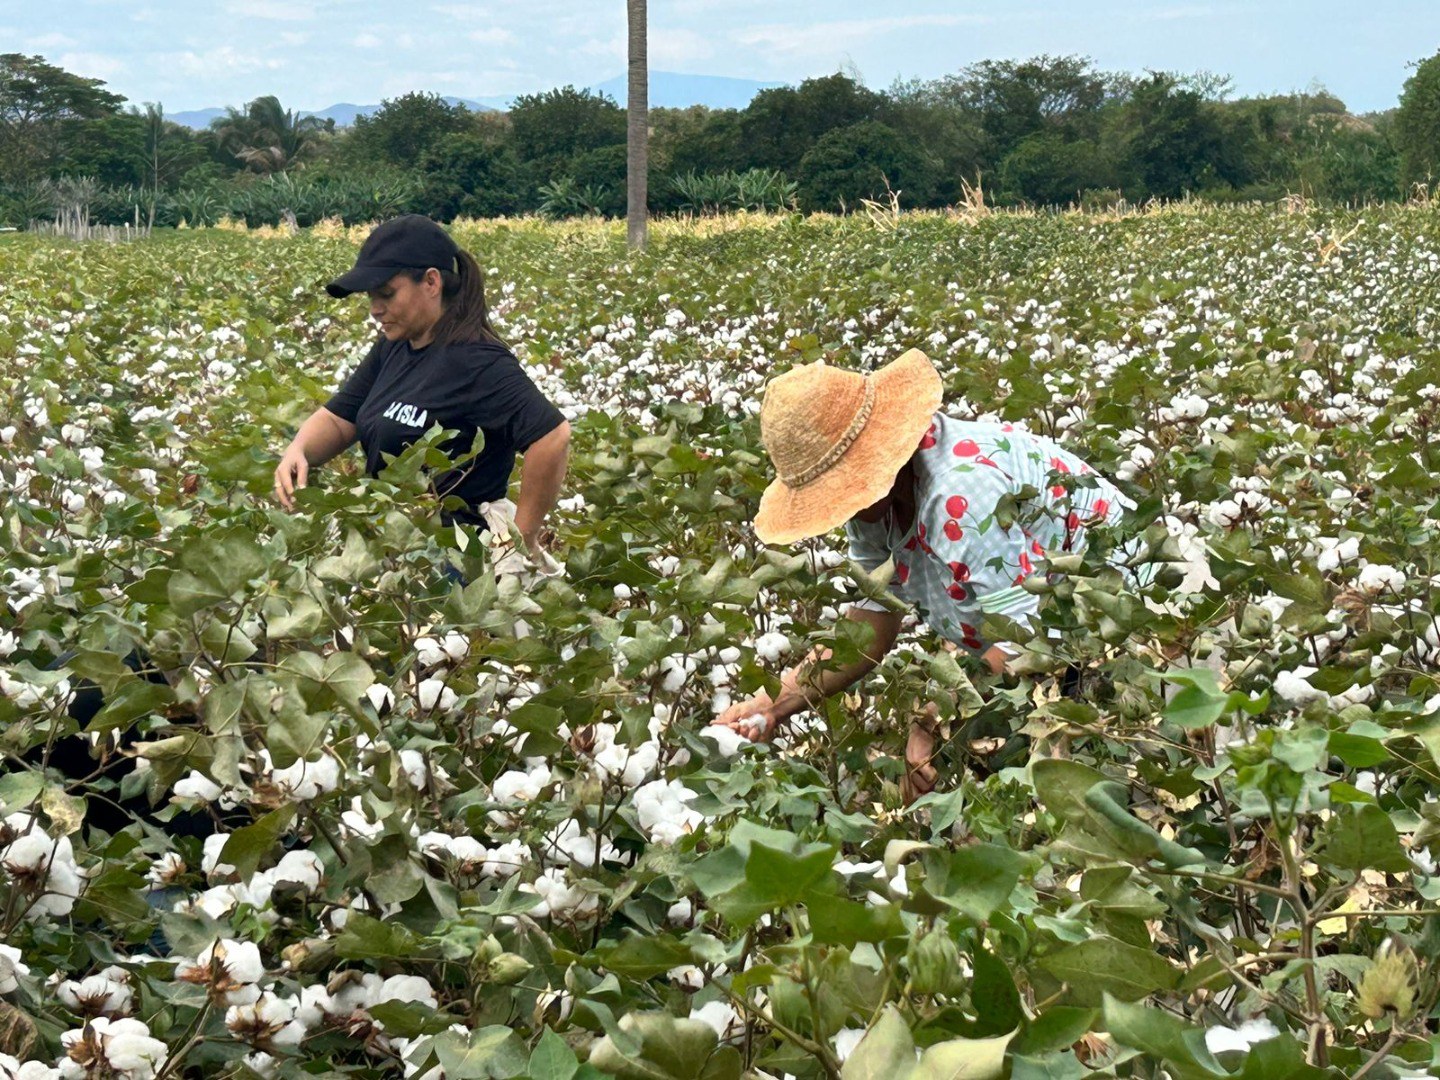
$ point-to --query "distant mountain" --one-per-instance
(668, 90)
(343, 113)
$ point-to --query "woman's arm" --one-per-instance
(320, 438)
(542, 471)
(813, 680)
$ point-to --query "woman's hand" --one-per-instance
(755, 719)
(291, 475)
(320, 438)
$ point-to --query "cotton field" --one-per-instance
(281, 798)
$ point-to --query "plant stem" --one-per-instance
(1379, 1055)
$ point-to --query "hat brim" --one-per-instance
(908, 391)
(360, 279)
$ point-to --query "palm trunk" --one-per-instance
(637, 162)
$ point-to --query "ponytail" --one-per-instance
(465, 318)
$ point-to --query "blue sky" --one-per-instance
(312, 53)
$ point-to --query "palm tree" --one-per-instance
(637, 160)
(268, 138)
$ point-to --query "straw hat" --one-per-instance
(837, 439)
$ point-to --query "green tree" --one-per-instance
(268, 138)
(781, 125)
(550, 129)
(403, 130)
(1168, 138)
(466, 175)
(863, 161)
(1048, 169)
(39, 103)
(931, 119)
(1417, 124)
(1013, 100)
(695, 140)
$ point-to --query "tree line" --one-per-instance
(1046, 131)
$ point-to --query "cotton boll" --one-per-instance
(302, 868)
(270, 1022)
(662, 813)
(227, 969)
(771, 646)
(210, 859)
(1377, 578)
(558, 898)
(12, 969)
(429, 652)
(105, 994)
(721, 1016)
(1219, 1039)
(680, 913)
(418, 771)
(1293, 687)
(197, 786)
(306, 780)
(456, 646)
(381, 697)
(506, 860)
(727, 741)
(434, 694)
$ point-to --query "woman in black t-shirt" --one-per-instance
(437, 361)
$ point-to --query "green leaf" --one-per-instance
(1105, 965)
(641, 956)
(1193, 708)
(655, 1046)
(1362, 837)
(775, 878)
(887, 1052)
(1057, 1028)
(1358, 751)
(295, 731)
(367, 938)
(190, 595)
(994, 996)
(552, 1058)
(248, 845)
(356, 561)
(1179, 1046)
(394, 877)
(491, 1053)
(837, 920)
(965, 1059)
(134, 699)
(975, 880)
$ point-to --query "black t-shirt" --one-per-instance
(398, 393)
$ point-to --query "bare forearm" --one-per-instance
(542, 472)
(322, 436)
(819, 677)
(815, 679)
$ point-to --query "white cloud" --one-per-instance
(366, 41)
(92, 64)
(829, 38)
(674, 48)
(493, 35)
(225, 60)
(279, 10)
(51, 41)
(293, 38)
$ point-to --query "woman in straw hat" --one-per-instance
(918, 488)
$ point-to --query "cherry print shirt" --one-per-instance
(955, 562)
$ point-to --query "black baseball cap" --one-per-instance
(408, 242)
